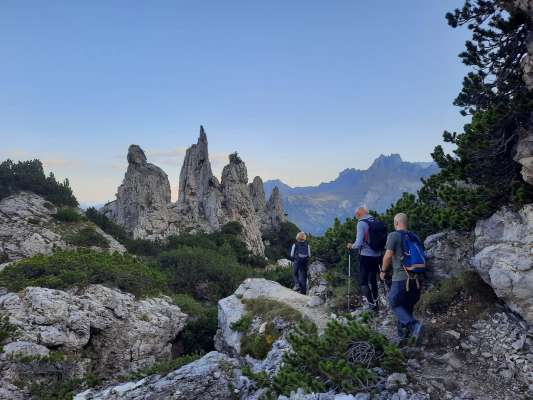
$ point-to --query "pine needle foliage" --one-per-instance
(321, 363)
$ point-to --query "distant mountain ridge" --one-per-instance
(314, 208)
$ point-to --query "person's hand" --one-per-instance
(382, 275)
(349, 246)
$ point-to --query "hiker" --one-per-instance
(370, 238)
(300, 253)
(405, 289)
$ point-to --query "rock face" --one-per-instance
(524, 153)
(504, 257)
(27, 228)
(524, 148)
(448, 253)
(143, 205)
(142, 199)
(213, 377)
(231, 309)
(116, 332)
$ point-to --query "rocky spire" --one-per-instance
(238, 205)
(275, 215)
(142, 199)
(257, 193)
(198, 193)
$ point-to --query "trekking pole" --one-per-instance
(349, 276)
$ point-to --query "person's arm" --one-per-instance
(389, 254)
(360, 235)
(387, 260)
(292, 251)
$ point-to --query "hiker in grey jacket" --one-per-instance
(300, 253)
(369, 259)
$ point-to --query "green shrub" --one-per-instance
(87, 237)
(204, 274)
(29, 176)
(281, 275)
(279, 242)
(257, 345)
(55, 389)
(467, 284)
(266, 310)
(7, 330)
(198, 334)
(80, 268)
(107, 225)
(67, 214)
(322, 363)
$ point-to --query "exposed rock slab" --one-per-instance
(231, 309)
(116, 331)
(213, 377)
(27, 228)
(449, 253)
(504, 257)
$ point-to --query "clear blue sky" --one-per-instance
(301, 88)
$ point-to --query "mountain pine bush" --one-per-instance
(331, 362)
(29, 176)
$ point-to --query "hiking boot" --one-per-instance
(296, 288)
(416, 333)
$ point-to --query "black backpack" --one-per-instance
(301, 250)
(377, 234)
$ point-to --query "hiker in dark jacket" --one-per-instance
(300, 253)
(369, 259)
(403, 295)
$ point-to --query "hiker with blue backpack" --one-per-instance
(370, 238)
(405, 256)
(300, 254)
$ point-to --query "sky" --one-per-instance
(302, 89)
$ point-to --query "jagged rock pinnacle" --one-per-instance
(136, 155)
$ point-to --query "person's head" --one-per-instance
(361, 212)
(400, 222)
(301, 237)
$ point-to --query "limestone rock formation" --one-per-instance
(238, 204)
(274, 213)
(231, 309)
(111, 330)
(199, 197)
(504, 257)
(141, 204)
(213, 377)
(448, 253)
(524, 153)
(27, 228)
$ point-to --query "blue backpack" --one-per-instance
(414, 258)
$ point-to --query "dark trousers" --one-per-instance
(299, 274)
(368, 277)
(403, 303)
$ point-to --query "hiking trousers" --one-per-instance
(299, 274)
(368, 277)
(403, 302)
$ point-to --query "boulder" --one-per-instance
(231, 309)
(141, 205)
(504, 257)
(213, 377)
(28, 227)
(318, 284)
(115, 331)
(448, 253)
